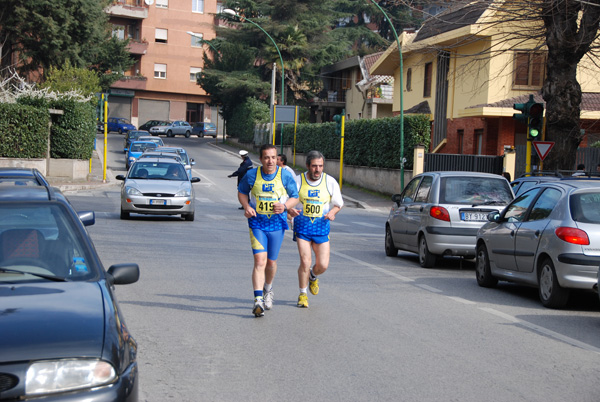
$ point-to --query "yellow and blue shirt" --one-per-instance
(315, 200)
(263, 190)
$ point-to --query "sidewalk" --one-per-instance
(353, 197)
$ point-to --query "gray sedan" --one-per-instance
(171, 129)
(548, 237)
(157, 186)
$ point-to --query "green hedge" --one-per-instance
(72, 135)
(367, 142)
(23, 131)
(245, 117)
(73, 132)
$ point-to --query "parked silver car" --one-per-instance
(172, 128)
(439, 213)
(186, 160)
(157, 186)
(548, 237)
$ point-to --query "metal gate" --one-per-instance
(467, 163)
(590, 157)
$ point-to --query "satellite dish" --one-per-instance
(149, 2)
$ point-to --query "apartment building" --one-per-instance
(166, 42)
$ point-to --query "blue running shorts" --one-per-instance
(269, 242)
(312, 238)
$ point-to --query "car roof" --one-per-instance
(159, 159)
(139, 131)
(462, 173)
(170, 149)
(143, 142)
(31, 193)
(573, 182)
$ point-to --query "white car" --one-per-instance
(173, 128)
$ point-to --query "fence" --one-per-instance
(468, 163)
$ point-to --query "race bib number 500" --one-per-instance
(313, 210)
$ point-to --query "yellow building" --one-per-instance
(466, 71)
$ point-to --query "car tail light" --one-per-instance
(572, 235)
(440, 213)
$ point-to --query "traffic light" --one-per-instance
(522, 117)
(536, 121)
(338, 124)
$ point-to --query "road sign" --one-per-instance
(542, 148)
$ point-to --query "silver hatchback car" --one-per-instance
(157, 186)
(439, 213)
(548, 237)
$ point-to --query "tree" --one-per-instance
(48, 33)
(69, 78)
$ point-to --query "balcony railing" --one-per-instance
(137, 47)
(128, 9)
(130, 82)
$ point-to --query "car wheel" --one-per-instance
(189, 217)
(169, 133)
(390, 250)
(426, 259)
(187, 134)
(124, 214)
(120, 131)
(552, 295)
(483, 273)
(200, 135)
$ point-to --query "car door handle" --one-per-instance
(512, 233)
(421, 209)
(537, 233)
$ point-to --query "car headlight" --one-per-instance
(132, 191)
(184, 193)
(66, 375)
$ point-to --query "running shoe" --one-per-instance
(268, 297)
(259, 308)
(303, 300)
(314, 286)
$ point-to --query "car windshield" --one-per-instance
(18, 181)
(41, 240)
(158, 171)
(123, 121)
(585, 207)
(164, 123)
(474, 190)
(141, 147)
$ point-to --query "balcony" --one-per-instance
(137, 47)
(131, 82)
(122, 8)
(380, 94)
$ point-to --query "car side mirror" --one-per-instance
(123, 274)
(397, 198)
(195, 179)
(88, 218)
(120, 177)
(494, 216)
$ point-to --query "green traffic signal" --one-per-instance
(338, 124)
(536, 120)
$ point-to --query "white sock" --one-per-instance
(303, 290)
(268, 287)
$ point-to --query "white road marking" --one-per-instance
(373, 267)
(428, 288)
(371, 225)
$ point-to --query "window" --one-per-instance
(198, 6)
(461, 138)
(427, 80)
(160, 35)
(220, 7)
(195, 73)
(544, 204)
(196, 39)
(515, 212)
(479, 139)
(424, 188)
(529, 69)
(118, 31)
(162, 3)
(160, 71)
(409, 79)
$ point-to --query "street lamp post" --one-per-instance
(244, 19)
(401, 95)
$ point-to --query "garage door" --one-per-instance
(152, 110)
(119, 106)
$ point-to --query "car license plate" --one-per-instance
(473, 216)
(158, 202)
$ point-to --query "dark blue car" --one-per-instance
(119, 124)
(62, 335)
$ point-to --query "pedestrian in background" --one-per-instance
(282, 163)
(321, 199)
(244, 167)
(266, 194)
